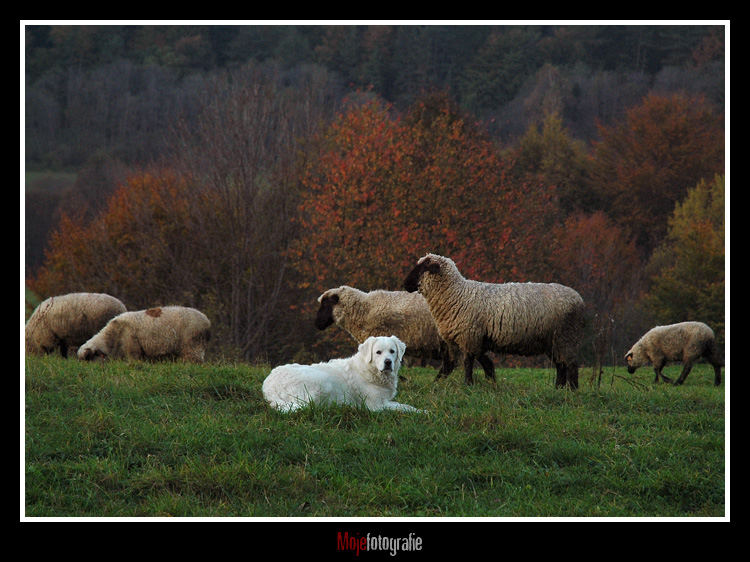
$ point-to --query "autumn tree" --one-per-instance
(646, 163)
(596, 257)
(550, 152)
(688, 267)
(138, 248)
(385, 189)
(208, 228)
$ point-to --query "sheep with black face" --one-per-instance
(514, 318)
(380, 313)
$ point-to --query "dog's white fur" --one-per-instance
(367, 378)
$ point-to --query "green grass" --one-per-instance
(170, 439)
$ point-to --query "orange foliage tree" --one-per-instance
(646, 163)
(595, 256)
(138, 248)
(386, 189)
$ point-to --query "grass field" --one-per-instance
(170, 439)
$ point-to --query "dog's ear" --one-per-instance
(365, 348)
(400, 346)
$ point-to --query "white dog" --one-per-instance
(367, 378)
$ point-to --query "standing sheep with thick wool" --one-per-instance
(166, 332)
(685, 342)
(384, 313)
(513, 318)
(65, 322)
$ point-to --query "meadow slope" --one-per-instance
(171, 439)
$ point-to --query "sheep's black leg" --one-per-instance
(657, 368)
(562, 375)
(661, 375)
(572, 376)
(446, 368)
(468, 369)
(715, 359)
(717, 374)
(441, 373)
(685, 372)
(488, 366)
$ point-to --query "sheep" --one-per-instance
(381, 313)
(684, 342)
(156, 333)
(515, 318)
(64, 322)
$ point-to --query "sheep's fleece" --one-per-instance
(685, 342)
(515, 318)
(379, 313)
(157, 333)
(368, 378)
(67, 321)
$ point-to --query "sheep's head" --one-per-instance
(634, 359)
(328, 301)
(429, 264)
(88, 353)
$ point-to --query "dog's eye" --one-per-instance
(392, 351)
(378, 352)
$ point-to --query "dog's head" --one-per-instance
(384, 352)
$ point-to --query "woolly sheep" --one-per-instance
(156, 333)
(684, 342)
(514, 318)
(67, 321)
(380, 313)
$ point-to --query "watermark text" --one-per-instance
(357, 543)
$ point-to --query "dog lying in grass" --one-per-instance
(368, 378)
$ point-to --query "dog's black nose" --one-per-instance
(388, 363)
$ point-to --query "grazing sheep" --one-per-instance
(684, 342)
(67, 321)
(156, 333)
(380, 313)
(514, 318)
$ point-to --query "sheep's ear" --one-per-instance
(365, 348)
(400, 346)
(411, 283)
(329, 296)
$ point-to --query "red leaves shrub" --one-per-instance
(384, 190)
